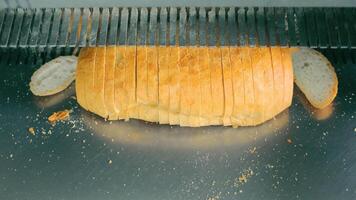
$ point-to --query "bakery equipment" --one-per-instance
(302, 154)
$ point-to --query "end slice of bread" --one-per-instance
(54, 76)
(315, 76)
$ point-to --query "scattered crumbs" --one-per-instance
(252, 150)
(11, 155)
(31, 130)
(59, 116)
(245, 175)
(109, 162)
(289, 141)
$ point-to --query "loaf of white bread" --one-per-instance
(186, 86)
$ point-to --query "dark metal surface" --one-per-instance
(253, 26)
(301, 154)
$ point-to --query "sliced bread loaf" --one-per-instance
(315, 76)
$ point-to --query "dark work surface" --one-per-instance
(88, 158)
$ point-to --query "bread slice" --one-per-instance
(227, 80)
(99, 82)
(278, 77)
(109, 86)
(249, 106)
(174, 88)
(142, 76)
(238, 87)
(288, 75)
(89, 79)
(194, 87)
(152, 81)
(269, 111)
(54, 76)
(315, 76)
(163, 65)
(183, 63)
(217, 91)
(80, 77)
(130, 82)
(258, 62)
(205, 86)
(120, 94)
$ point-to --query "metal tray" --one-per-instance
(301, 154)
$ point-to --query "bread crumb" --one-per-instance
(245, 175)
(289, 141)
(110, 162)
(59, 116)
(253, 150)
(354, 129)
(31, 130)
(243, 178)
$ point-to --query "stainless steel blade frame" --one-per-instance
(165, 3)
(245, 26)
